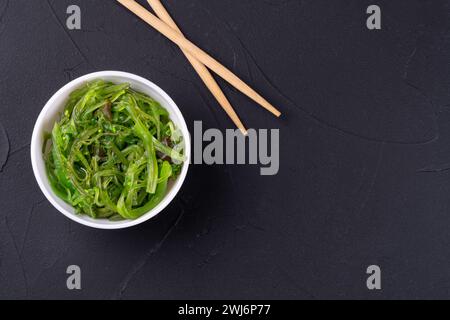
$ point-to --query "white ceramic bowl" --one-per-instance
(51, 113)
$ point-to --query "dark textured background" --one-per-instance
(365, 152)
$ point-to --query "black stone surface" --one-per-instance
(365, 153)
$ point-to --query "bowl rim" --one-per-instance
(40, 175)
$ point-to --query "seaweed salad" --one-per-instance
(113, 152)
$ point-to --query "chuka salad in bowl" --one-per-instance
(113, 152)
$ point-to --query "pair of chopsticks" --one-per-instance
(199, 59)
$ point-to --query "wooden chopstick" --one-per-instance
(201, 55)
(202, 71)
